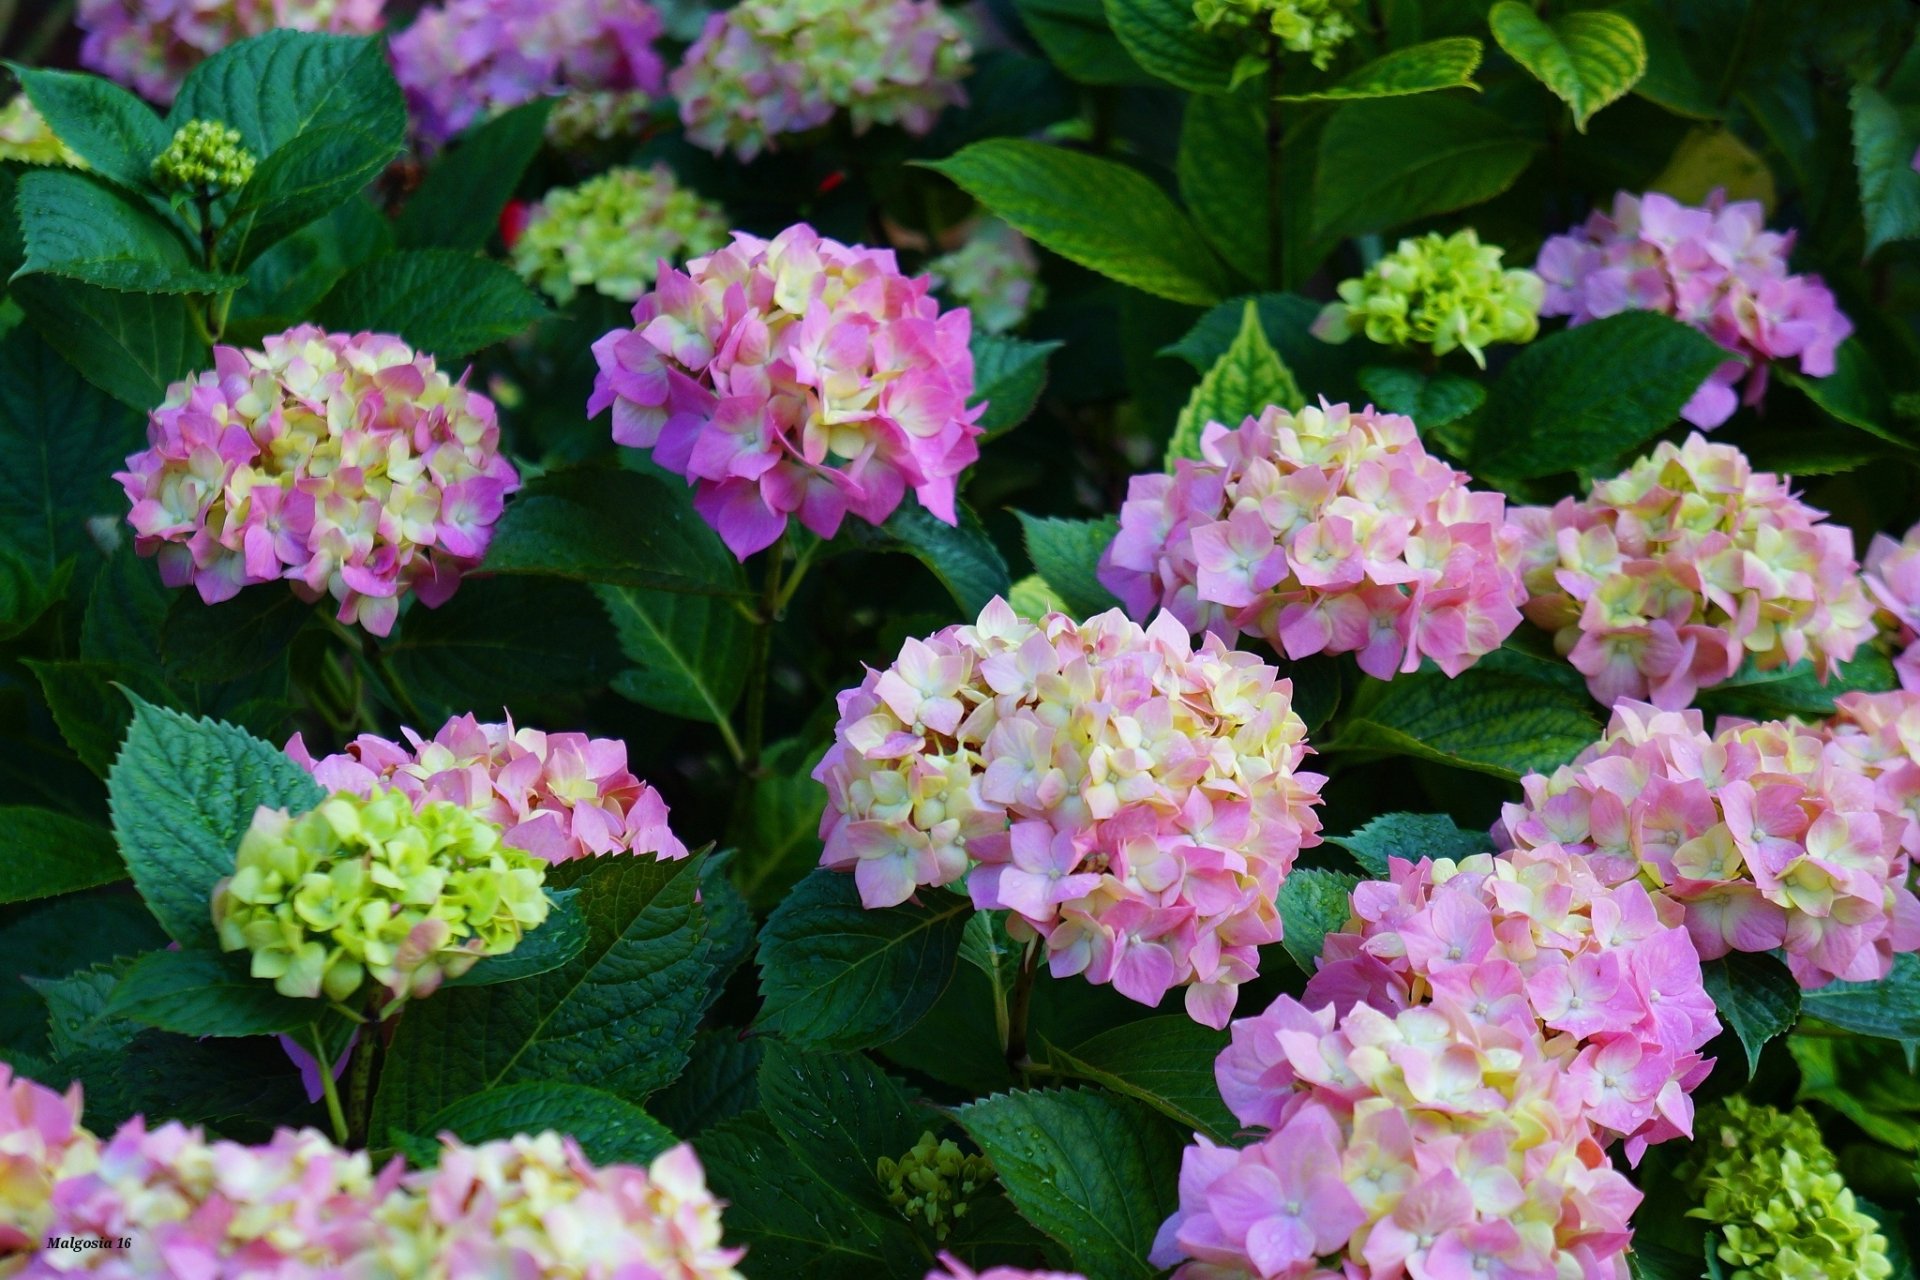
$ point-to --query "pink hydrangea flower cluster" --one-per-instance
(559, 796)
(1132, 800)
(768, 68)
(1322, 531)
(150, 45)
(1534, 940)
(1893, 576)
(795, 377)
(300, 1206)
(346, 464)
(467, 60)
(1664, 578)
(1770, 835)
(1716, 268)
(951, 1268)
(1433, 1142)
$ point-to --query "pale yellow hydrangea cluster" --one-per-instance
(26, 136)
(611, 232)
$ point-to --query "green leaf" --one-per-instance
(1671, 81)
(839, 1114)
(91, 714)
(1396, 160)
(1241, 384)
(1855, 393)
(1432, 401)
(1066, 553)
(182, 793)
(962, 556)
(444, 301)
(287, 282)
(1588, 58)
(130, 345)
(1756, 998)
(235, 637)
(986, 945)
(1866, 1080)
(25, 595)
(1797, 690)
(778, 830)
(559, 940)
(608, 1128)
(1420, 68)
(77, 1017)
(1649, 1261)
(458, 205)
(1076, 38)
(1313, 903)
(1330, 369)
(1164, 37)
(114, 132)
(1889, 1008)
(722, 1080)
(1009, 374)
(195, 992)
(275, 87)
(79, 228)
(621, 1014)
(691, 651)
(835, 975)
(1093, 1171)
(1223, 169)
(44, 854)
(1165, 1062)
(1883, 150)
(1496, 722)
(614, 526)
(1580, 398)
(308, 177)
(1102, 215)
(55, 937)
(1412, 836)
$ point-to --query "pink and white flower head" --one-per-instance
(1431, 1142)
(559, 796)
(1893, 576)
(1329, 530)
(951, 1268)
(346, 465)
(1665, 578)
(1128, 798)
(41, 1144)
(468, 60)
(764, 69)
(1770, 835)
(1716, 268)
(1534, 941)
(795, 378)
(150, 45)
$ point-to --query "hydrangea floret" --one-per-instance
(951, 1268)
(1716, 268)
(1665, 578)
(1316, 28)
(1438, 293)
(1892, 575)
(375, 889)
(466, 61)
(1434, 1141)
(1330, 530)
(1771, 835)
(763, 69)
(934, 1182)
(1768, 1182)
(611, 233)
(204, 158)
(1534, 940)
(1129, 799)
(25, 136)
(557, 796)
(150, 45)
(795, 378)
(346, 464)
(995, 275)
(298, 1205)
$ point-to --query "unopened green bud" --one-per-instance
(1438, 292)
(934, 1182)
(1314, 27)
(204, 158)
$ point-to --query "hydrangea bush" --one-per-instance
(959, 639)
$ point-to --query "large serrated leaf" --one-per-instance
(1883, 151)
(609, 1129)
(1241, 384)
(277, 86)
(839, 1114)
(1164, 37)
(1756, 998)
(1313, 903)
(1496, 722)
(183, 791)
(962, 556)
(458, 204)
(130, 345)
(1391, 161)
(114, 132)
(1589, 58)
(79, 228)
(1009, 374)
(1066, 554)
(722, 1080)
(1166, 1062)
(1420, 68)
(43, 854)
(1224, 169)
(196, 992)
(445, 301)
(1889, 1007)
(1411, 836)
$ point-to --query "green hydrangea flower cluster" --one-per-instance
(205, 157)
(26, 136)
(1315, 27)
(371, 888)
(588, 116)
(1768, 1181)
(934, 1181)
(610, 233)
(1438, 292)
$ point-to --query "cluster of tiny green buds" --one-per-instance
(1314, 27)
(372, 888)
(205, 157)
(1767, 1180)
(934, 1181)
(1438, 292)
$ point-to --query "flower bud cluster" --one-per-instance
(934, 1182)
(611, 233)
(1314, 27)
(1132, 800)
(1329, 530)
(204, 158)
(1438, 293)
(995, 275)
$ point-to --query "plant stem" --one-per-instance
(327, 1086)
(382, 668)
(1018, 1007)
(1276, 196)
(360, 1082)
(770, 604)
